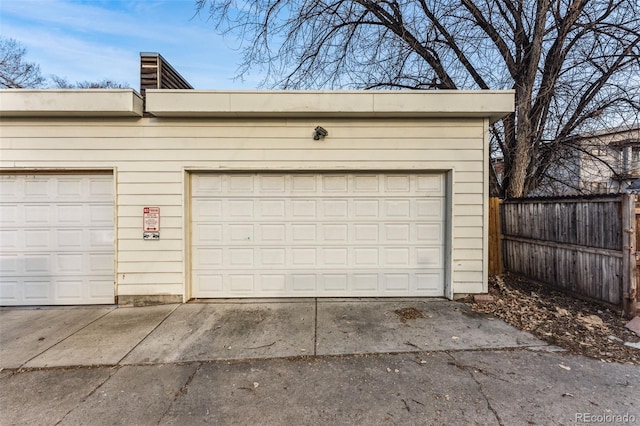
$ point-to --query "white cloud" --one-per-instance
(93, 40)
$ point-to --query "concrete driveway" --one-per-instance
(233, 330)
(241, 362)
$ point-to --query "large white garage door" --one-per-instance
(56, 239)
(325, 234)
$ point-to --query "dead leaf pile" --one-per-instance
(578, 326)
(408, 313)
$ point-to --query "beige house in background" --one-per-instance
(602, 162)
(216, 194)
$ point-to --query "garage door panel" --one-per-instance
(206, 185)
(312, 283)
(101, 215)
(9, 239)
(207, 258)
(9, 264)
(336, 257)
(273, 283)
(304, 232)
(70, 263)
(429, 232)
(242, 184)
(207, 209)
(331, 234)
(303, 284)
(9, 290)
(70, 239)
(397, 232)
(100, 239)
(101, 188)
(272, 209)
(238, 209)
(242, 283)
(429, 256)
(335, 183)
(335, 283)
(69, 187)
(272, 184)
(397, 282)
(38, 188)
(396, 256)
(272, 233)
(38, 290)
(272, 257)
(430, 283)
(303, 183)
(57, 239)
(205, 233)
(207, 284)
(430, 209)
(430, 184)
(8, 213)
(235, 257)
(101, 289)
(335, 232)
(100, 263)
(69, 291)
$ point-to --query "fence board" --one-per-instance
(495, 252)
(583, 245)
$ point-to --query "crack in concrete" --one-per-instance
(87, 396)
(315, 330)
(180, 392)
(479, 385)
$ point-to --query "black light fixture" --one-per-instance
(319, 133)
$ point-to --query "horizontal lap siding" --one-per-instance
(150, 155)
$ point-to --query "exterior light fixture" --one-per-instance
(319, 133)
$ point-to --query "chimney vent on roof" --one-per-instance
(157, 73)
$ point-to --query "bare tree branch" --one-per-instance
(15, 72)
(574, 64)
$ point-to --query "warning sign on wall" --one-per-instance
(151, 223)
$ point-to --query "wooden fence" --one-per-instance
(582, 245)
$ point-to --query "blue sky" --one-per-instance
(98, 39)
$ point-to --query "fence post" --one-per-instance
(628, 289)
(495, 242)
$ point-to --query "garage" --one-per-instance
(254, 194)
(57, 239)
(321, 234)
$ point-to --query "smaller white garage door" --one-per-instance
(321, 234)
(56, 239)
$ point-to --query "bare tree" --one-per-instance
(63, 83)
(574, 64)
(15, 71)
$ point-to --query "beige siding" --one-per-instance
(151, 159)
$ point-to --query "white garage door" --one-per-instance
(325, 235)
(56, 239)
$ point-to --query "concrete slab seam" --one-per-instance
(289, 358)
(62, 340)
(468, 370)
(147, 335)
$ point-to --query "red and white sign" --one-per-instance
(151, 219)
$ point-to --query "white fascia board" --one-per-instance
(70, 103)
(348, 104)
